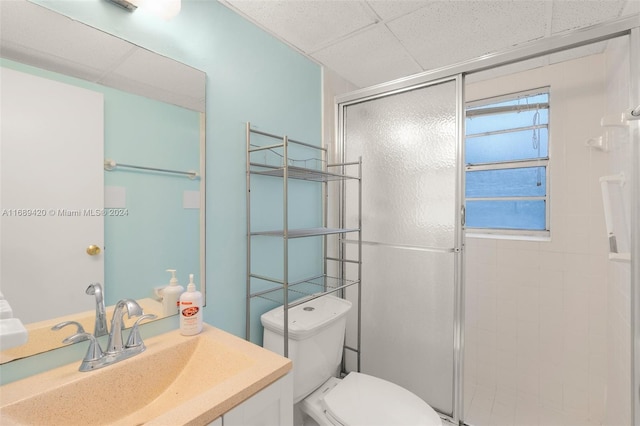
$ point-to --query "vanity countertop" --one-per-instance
(178, 380)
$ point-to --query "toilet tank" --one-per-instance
(316, 338)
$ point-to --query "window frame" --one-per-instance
(511, 233)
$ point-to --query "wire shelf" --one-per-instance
(308, 232)
(296, 172)
(305, 290)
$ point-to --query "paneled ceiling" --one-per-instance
(375, 41)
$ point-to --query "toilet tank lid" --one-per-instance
(360, 399)
(307, 318)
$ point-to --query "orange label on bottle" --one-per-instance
(191, 311)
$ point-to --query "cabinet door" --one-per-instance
(271, 406)
(216, 422)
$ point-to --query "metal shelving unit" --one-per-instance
(273, 160)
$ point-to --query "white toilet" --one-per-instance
(316, 336)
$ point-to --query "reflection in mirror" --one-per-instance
(136, 173)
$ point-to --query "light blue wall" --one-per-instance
(251, 76)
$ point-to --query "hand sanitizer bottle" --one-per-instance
(191, 310)
(171, 295)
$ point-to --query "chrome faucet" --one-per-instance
(115, 344)
(116, 351)
(100, 328)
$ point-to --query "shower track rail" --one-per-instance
(274, 160)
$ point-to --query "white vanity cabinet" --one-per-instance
(271, 406)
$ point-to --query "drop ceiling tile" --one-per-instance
(308, 25)
(371, 57)
(632, 6)
(572, 14)
(444, 33)
(388, 10)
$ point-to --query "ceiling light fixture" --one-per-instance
(125, 4)
(165, 9)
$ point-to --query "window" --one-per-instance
(507, 159)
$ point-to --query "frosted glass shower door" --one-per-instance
(409, 143)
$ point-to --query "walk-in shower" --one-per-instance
(410, 134)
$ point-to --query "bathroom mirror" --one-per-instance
(154, 163)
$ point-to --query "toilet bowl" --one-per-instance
(316, 335)
(360, 399)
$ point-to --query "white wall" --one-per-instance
(618, 407)
(332, 85)
(536, 312)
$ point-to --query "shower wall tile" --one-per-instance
(551, 261)
(481, 405)
(516, 259)
(528, 375)
(551, 416)
(578, 231)
(507, 373)
(598, 241)
(502, 414)
(528, 301)
(527, 411)
(507, 284)
(551, 385)
(597, 396)
(618, 407)
(507, 337)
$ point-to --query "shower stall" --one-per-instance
(410, 134)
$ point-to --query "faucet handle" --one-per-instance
(94, 352)
(135, 340)
(66, 323)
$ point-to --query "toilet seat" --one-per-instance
(360, 399)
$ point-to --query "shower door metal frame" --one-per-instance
(457, 250)
(634, 97)
(627, 26)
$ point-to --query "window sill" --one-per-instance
(540, 236)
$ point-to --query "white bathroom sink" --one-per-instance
(177, 380)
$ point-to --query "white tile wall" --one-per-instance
(617, 373)
(536, 312)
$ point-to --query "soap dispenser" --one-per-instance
(191, 310)
(171, 295)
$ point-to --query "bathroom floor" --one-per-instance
(492, 407)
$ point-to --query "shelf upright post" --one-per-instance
(248, 212)
(325, 215)
(359, 258)
(285, 241)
